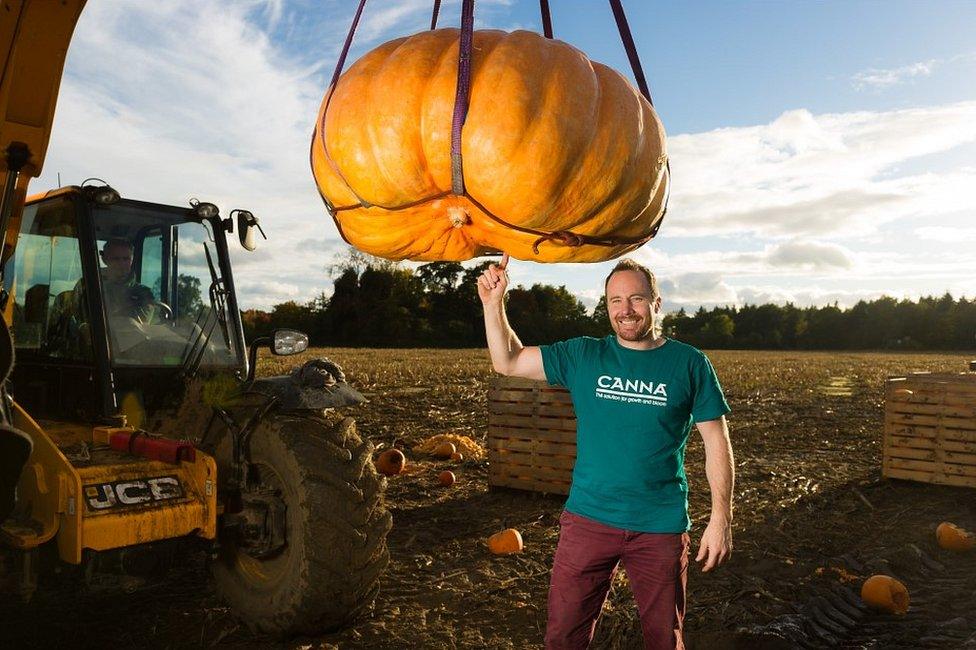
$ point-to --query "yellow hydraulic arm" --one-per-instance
(34, 37)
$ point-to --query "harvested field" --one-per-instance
(812, 516)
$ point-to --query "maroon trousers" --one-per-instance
(586, 559)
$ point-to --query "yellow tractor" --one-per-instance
(132, 423)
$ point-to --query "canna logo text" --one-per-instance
(631, 391)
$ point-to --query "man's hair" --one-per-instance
(116, 242)
(628, 264)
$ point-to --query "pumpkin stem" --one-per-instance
(458, 216)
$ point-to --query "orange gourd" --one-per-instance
(457, 457)
(506, 542)
(390, 462)
(552, 143)
(446, 478)
(954, 538)
(445, 450)
(885, 593)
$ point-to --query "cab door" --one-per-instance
(55, 374)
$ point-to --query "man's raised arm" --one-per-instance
(508, 355)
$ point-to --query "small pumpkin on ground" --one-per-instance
(390, 462)
(953, 538)
(445, 450)
(446, 478)
(457, 457)
(885, 593)
(506, 542)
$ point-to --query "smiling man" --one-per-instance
(636, 395)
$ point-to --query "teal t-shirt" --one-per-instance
(634, 411)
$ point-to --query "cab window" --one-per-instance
(151, 264)
(43, 279)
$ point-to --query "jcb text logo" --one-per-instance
(121, 494)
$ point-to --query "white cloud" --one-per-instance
(408, 16)
(947, 234)
(697, 288)
(799, 296)
(876, 78)
(810, 255)
(794, 256)
(815, 176)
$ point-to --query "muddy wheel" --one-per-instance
(319, 567)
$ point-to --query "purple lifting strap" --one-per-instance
(628, 40)
(546, 18)
(341, 63)
(433, 15)
(461, 98)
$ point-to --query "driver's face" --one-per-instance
(118, 261)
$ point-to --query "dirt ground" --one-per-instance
(813, 518)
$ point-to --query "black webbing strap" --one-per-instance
(546, 18)
(628, 40)
(462, 95)
(433, 15)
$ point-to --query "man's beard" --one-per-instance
(643, 333)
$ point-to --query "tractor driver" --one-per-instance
(128, 304)
(124, 297)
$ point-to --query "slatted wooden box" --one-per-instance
(930, 428)
(531, 436)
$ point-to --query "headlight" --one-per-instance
(205, 210)
(105, 196)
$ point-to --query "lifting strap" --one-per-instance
(433, 15)
(546, 18)
(628, 41)
(462, 95)
(461, 103)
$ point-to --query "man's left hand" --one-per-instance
(716, 544)
(140, 296)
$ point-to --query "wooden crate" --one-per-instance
(930, 432)
(531, 436)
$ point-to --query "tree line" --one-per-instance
(378, 304)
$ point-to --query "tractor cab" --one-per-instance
(113, 302)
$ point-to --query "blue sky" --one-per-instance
(821, 151)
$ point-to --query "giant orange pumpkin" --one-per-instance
(563, 160)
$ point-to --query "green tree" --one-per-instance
(188, 296)
(544, 314)
(718, 331)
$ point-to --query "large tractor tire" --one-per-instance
(327, 571)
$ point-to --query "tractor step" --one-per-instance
(21, 532)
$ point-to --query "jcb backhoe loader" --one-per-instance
(131, 419)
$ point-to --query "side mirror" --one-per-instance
(289, 342)
(282, 343)
(246, 225)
